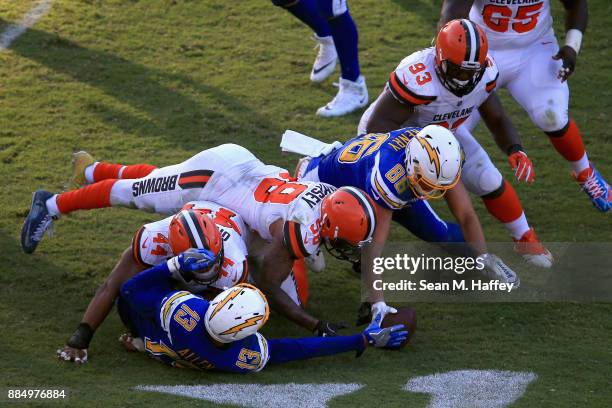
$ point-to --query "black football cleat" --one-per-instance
(37, 222)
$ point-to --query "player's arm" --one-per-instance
(276, 266)
(453, 9)
(461, 206)
(99, 307)
(388, 114)
(507, 137)
(576, 19)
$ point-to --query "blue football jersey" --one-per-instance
(178, 337)
(373, 162)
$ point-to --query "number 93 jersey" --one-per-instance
(150, 245)
(373, 162)
(512, 24)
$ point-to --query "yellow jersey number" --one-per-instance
(364, 146)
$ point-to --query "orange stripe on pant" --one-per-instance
(301, 279)
(95, 195)
(506, 207)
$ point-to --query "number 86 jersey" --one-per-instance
(414, 82)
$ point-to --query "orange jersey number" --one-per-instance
(497, 18)
(423, 78)
(278, 191)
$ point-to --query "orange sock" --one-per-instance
(569, 144)
(95, 195)
(105, 171)
(506, 207)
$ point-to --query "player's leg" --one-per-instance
(420, 219)
(482, 178)
(545, 98)
(353, 93)
(86, 170)
(307, 12)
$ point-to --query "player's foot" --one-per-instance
(532, 250)
(80, 161)
(316, 261)
(37, 222)
(596, 188)
(325, 63)
(351, 96)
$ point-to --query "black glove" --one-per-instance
(364, 314)
(328, 329)
(568, 56)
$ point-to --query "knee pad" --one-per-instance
(284, 3)
(550, 117)
(481, 178)
(332, 8)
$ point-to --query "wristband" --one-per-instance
(573, 39)
(514, 148)
(173, 264)
(81, 337)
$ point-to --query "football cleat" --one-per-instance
(532, 250)
(596, 188)
(351, 96)
(80, 161)
(37, 222)
(325, 63)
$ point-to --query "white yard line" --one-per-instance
(28, 20)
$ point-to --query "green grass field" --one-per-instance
(159, 80)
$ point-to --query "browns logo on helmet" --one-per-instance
(192, 228)
(461, 55)
(348, 221)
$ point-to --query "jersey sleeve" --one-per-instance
(491, 75)
(409, 83)
(299, 240)
(150, 245)
(253, 353)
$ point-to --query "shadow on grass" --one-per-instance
(170, 114)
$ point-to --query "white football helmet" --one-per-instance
(434, 159)
(236, 313)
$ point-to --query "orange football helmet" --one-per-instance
(461, 55)
(194, 229)
(348, 221)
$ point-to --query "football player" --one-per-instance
(294, 218)
(400, 170)
(444, 85)
(534, 70)
(184, 330)
(337, 38)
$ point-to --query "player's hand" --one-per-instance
(382, 309)
(568, 56)
(389, 337)
(72, 354)
(496, 269)
(522, 166)
(328, 329)
(131, 343)
(184, 267)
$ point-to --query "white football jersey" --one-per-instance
(151, 247)
(415, 82)
(512, 23)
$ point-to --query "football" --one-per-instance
(405, 316)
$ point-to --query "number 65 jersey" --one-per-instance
(415, 82)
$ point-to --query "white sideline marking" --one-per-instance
(258, 395)
(472, 388)
(28, 20)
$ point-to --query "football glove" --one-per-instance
(389, 337)
(75, 355)
(522, 166)
(568, 56)
(382, 309)
(495, 268)
(185, 267)
(328, 329)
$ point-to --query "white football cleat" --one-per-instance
(325, 63)
(316, 261)
(532, 250)
(351, 96)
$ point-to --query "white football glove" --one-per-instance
(495, 268)
(381, 308)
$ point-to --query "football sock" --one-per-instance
(96, 195)
(507, 209)
(345, 35)
(569, 144)
(103, 171)
(308, 12)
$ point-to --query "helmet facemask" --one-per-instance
(210, 275)
(460, 79)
